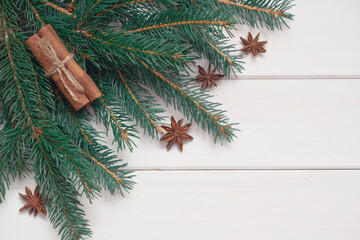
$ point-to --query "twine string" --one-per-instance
(60, 68)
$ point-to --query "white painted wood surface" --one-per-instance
(212, 205)
(322, 41)
(298, 107)
(283, 123)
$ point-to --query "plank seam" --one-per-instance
(241, 169)
(289, 77)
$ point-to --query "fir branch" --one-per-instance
(270, 11)
(176, 56)
(4, 183)
(13, 158)
(188, 23)
(258, 13)
(113, 175)
(84, 182)
(81, 129)
(83, 55)
(71, 5)
(220, 54)
(21, 101)
(63, 204)
(114, 118)
(86, 14)
(75, 121)
(93, 6)
(187, 102)
(173, 24)
(227, 58)
(195, 3)
(32, 126)
(36, 13)
(122, 5)
(15, 75)
(35, 127)
(193, 35)
(137, 103)
(112, 115)
(73, 165)
(60, 9)
(110, 173)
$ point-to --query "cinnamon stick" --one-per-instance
(78, 98)
(91, 90)
(34, 44)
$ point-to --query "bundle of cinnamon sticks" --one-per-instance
(70, 78)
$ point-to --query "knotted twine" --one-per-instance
(59, 67)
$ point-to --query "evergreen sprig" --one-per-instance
(135, 51)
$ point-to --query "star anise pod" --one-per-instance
(253, 45)
(34, 202)
(176, 133)
(209, 78)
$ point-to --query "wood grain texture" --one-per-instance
(283, 123)
(212, 205)
(298, 107)
(322, 40)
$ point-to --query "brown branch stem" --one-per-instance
(36, 13)
(123, 132)
(221, 53)
(251, 8)
(60, 9)
(192, 22)
(89, 35)
(105, 168)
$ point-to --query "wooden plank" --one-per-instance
(211, 205)
(284, 124)
(323, 40)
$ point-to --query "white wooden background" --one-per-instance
(292, 173)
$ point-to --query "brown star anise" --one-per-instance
(253, 45)
(34, 202)
(176, 133)
(209, 78)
